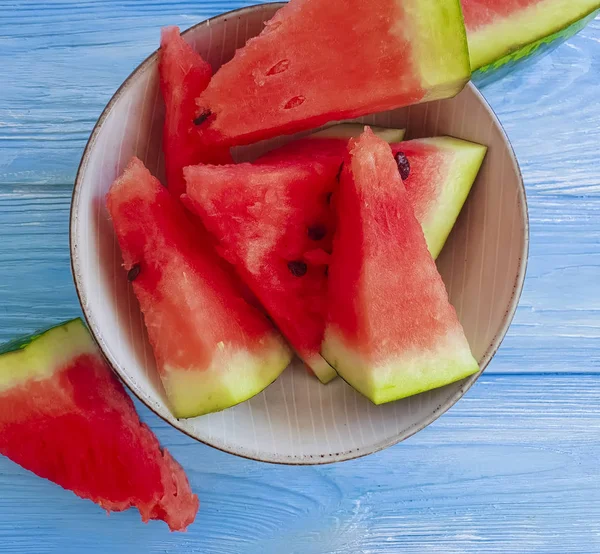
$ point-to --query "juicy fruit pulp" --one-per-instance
(442, 171)
(183, 73)
(504, 31)
(65, 417)
(319, 61)
(399, 335)
(213, 349)
(266, 218)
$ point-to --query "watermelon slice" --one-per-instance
(213, 349)
(501, 33)
(266, 217)
(399, 335)
(183, 73)
(65, 417)
(323, 60)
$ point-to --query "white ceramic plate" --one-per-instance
(297, 420)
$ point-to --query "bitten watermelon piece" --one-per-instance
(65, 417)
(501, 33)
(213, 349)
(265, 218)
(183, 74)
(398, 335)
(323, 60)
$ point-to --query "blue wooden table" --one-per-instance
(513, 467)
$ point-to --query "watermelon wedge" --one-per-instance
(65, 417)
(266, 217)
(183, 73)
(502, 33)
(323, 60)
(399, 335)
(213, 349)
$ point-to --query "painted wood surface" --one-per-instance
(512, 468)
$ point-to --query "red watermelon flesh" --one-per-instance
(399, 335)
(213, 349)
(183, 73)
(442, 171)
(65, 417)
(266, 217)
(323, 60)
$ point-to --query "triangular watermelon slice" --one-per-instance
(183, 73)
(323, 60)
(266, 217)
(398, 335)
(213, 348)
(65, 417)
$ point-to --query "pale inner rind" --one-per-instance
(406, 373)
(45, 354)
(232, 377)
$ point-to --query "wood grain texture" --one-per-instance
(512, 468)
(499, 473)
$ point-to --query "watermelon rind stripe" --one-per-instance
(518, 36)
(40, 355)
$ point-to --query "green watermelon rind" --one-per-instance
(221, 391)
(522, 54)
(39, 355)
(401, 378)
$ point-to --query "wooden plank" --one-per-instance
(557, 327)
(503, 471)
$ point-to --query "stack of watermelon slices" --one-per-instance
(274, 222)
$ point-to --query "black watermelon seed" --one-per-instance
(133, 272)
(403, 165)
(316, 232)
(326, 271)
(297, 268)
(202, 117)
(339, 173)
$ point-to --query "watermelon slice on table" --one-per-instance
(399, 336)
(266, 217)
(501, 33)
(183, 73)
(65, 417)
(323, 60)
(213, 348)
